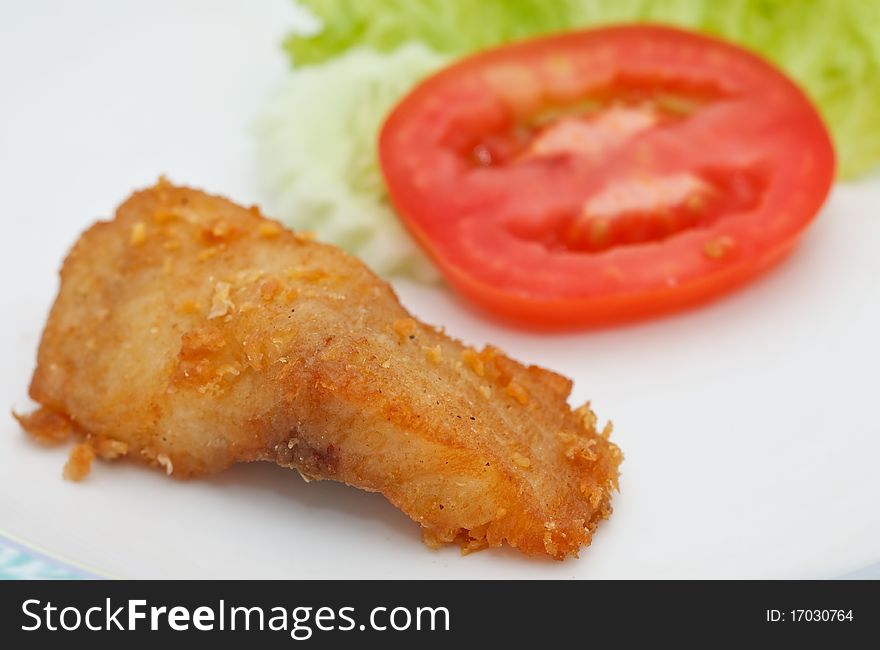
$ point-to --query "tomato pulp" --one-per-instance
(603, 175)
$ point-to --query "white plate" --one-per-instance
(750, 427)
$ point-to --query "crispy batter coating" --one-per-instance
(193, 333)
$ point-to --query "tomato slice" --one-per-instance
(603, 175)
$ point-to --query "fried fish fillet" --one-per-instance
(192, 333)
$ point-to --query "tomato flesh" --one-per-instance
(608, 174)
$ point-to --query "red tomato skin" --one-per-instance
(560, 315)
(709, 266)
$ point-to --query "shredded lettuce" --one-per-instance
(317, 151)
(318, 136)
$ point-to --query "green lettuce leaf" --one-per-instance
(831, 47)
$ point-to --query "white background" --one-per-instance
(750, 427)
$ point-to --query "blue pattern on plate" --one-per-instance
(18, 562)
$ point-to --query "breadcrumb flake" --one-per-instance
(138, 233)
(109, 449)
(434, 354)
(473, 361)
(166, 463)
(719, 248)
(517, 392)
(45, 426)
(405, 328)
(220, 302)
(269, 229)
(79, 463)
(523, 461)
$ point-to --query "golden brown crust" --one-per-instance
(45, 426)
(192, 333)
